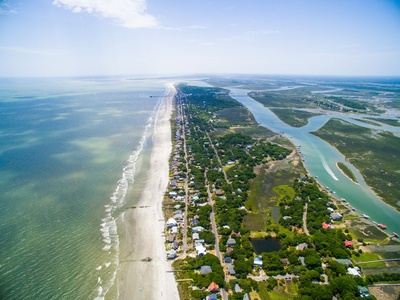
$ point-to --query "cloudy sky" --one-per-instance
(111, 37)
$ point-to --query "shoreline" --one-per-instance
(144, 225)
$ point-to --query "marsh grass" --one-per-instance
(293, 117)
(346, 171)
(374, 153)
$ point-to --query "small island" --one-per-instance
(346, 171)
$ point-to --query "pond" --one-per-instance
(265, 245)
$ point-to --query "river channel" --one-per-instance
(320, 159)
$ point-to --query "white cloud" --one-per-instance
(31, 50)
(127, 13)
(6, 8)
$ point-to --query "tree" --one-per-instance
(344, 285)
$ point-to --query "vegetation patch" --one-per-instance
(369, 233)
(374, 153)
(288, 99)
(368, 122)
(346, 171)
(284, 191)
(368, 256)
(293, 117)
(391, 122)
(236, 116)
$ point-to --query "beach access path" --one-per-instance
(142, 278)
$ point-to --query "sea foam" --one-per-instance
(108, 227)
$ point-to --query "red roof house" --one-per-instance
(325, 225)
(213, 287)
(348, 244)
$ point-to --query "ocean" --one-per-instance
(73, 157)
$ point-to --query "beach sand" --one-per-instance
(144, 225)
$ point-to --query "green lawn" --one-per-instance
(368, 256)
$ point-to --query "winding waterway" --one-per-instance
(320, 159)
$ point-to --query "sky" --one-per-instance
(128, 37)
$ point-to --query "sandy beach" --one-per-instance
(144, 225)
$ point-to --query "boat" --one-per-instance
(376, 223)
(352, 208)
(395, 234)
(383, 226)
(343, 200)
(365, 216)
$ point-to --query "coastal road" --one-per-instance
(183, 128)
(305, 220)
(224, 294)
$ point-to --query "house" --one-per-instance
(178, 217)
(228, 260)
(237, 288)
(171, 254)
(195, 236)
(212, 297)
(171, 238)
(301, 247)
(171, 222)
(344, 261)
(285, 261)
(354, 271)
(172, 183)
(231, 270)
(200, 249)
(326, 225)
(231, 242)
(229, 250)
(173, 195)
(201, 242)
(219, 192)
(213, 287)
(330, 209)
(175, 245)
(174, 230)
(348, 244)
(246, 296)
(336, 216)
(198, 229)
(363, 291)
(205, 270)
(258, 262)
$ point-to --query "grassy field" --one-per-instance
(293, 117)
(266, 190)
(278, 293)
(368, 256)
(374, 153)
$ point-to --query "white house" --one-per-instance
(171, 222)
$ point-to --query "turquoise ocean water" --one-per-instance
(70, 151)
